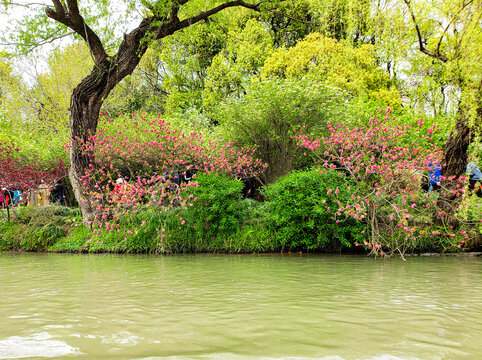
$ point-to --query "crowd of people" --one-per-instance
(43, 195)
(10, 197)
(171, 181)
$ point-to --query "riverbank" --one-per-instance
(60, 229)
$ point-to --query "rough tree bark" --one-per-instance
(87, 98)
(455, 154)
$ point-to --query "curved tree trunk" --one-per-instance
(85, 104)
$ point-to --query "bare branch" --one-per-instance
(27, 4)
(205, 15)
(40, 43)
(422, 48)
(75, 21)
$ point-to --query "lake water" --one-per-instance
(239, 307)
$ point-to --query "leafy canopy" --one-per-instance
(335, 63)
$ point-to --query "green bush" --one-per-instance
(272, 112)
(8, 237)
(301, 214)
(39, 228)
(215, 214)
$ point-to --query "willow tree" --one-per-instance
(449, 33)
(113, 60)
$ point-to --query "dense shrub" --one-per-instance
(301, 212)
(271, 111)
(215, 213)
(41, 237)
(8, 237)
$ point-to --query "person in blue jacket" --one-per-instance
(16, 196)
(475, 175)
(435, 172)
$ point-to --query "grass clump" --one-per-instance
(43, 228)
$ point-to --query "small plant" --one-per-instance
(42, 237)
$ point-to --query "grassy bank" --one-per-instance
(295, 216)
(60, 229)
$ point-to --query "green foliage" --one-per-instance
(216, 210)
(42, 237)
(291, 20)
(246, 50)
(301, 213)
(41, 228)
(272, 111)
(215, 214)
(470, 212)
(35, 28)
(50, 96)
(9, 241)
(343, 19)
(337, 64)
(35, 117)
(74, 241)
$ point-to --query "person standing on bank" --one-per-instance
(435, 172)
(475, 175)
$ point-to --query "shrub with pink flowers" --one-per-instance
(385, 190)
(140, 164)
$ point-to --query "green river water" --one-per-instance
(239, 307)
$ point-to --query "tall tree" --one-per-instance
(450, 34)
(159, 19)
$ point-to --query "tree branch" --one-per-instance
(73, 20)
(40, 43)
(422, 48)
(59, 8)
(136, 42)
(204, 15)
(451, 22)
(27, 4)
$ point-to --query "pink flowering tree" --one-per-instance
(387, 170)
(141, 164)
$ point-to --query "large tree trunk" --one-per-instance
(85, 105)
(455, 154)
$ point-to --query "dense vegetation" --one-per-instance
(281, 94)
